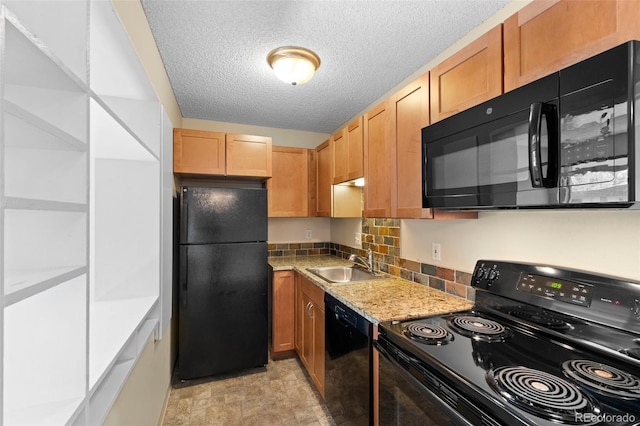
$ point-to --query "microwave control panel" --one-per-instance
(562, 290)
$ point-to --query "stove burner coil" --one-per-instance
(479, 328)
(603, 378)
(540, 317)
(542, 394)
(428, 333)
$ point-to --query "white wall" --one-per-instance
(293, 230)
(343, 231)
(603, 241)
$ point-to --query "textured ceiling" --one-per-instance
(215, 53)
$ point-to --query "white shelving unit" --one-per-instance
(86, 211)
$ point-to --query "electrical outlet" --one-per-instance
(308, 234)
(436, 253)
(358, 239)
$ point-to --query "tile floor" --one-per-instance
(280, 394)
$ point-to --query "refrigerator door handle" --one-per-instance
(183, 276)
(184, 216)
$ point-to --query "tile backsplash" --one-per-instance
(298, 249)
(383, 237)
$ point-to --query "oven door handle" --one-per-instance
(536, 112)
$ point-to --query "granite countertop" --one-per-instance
(379, 300)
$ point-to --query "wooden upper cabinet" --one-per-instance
(355, 140)
(289, 184)
(469, 77)
(348, 152)
(211, 153)
(340, 157)
(197, 151)
(379, 161)
(324, 167)
(248, 155)
(546, 36)
(411, 115)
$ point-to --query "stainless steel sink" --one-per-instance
(344, 274)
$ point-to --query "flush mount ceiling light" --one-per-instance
(293, 65)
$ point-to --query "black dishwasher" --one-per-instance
(347, 364)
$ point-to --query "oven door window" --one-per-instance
(402, 404)
(487, 165)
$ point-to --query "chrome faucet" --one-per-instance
(368, 262)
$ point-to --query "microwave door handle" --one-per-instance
(537, 111)
(535, 161)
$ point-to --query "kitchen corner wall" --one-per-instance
(602, 241)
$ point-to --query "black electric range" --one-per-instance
(542, 346)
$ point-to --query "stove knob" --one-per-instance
(493, 274)
(479, 272)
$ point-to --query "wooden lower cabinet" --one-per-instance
(283, 308)
(309, 329)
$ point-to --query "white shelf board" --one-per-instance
(28, 62)
(115, 68)
(61, 26)
(141, 117)
(42, 239)
(62, 109)
(26, 130)
(21, 284)
(111, 325)
(52, 413)
(15, 203)
(103, 397)
(110, 139)
(45, 338)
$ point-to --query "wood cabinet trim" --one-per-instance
(324, 178)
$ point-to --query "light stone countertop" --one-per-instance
(379, 300)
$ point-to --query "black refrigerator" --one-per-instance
(222, 286)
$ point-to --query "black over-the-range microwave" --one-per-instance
(566, 140)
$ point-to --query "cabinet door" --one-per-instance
(411, 115)
(340, 157)
(283, 311)
(289, 183)
(379, 161)
(197, 151)
(306, 336)
(248, 155)
(469, 77)
(317, 373)
(355, 136)
(324, 178)
(544, 37)
(298, 312)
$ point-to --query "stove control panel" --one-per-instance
(562, 290)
